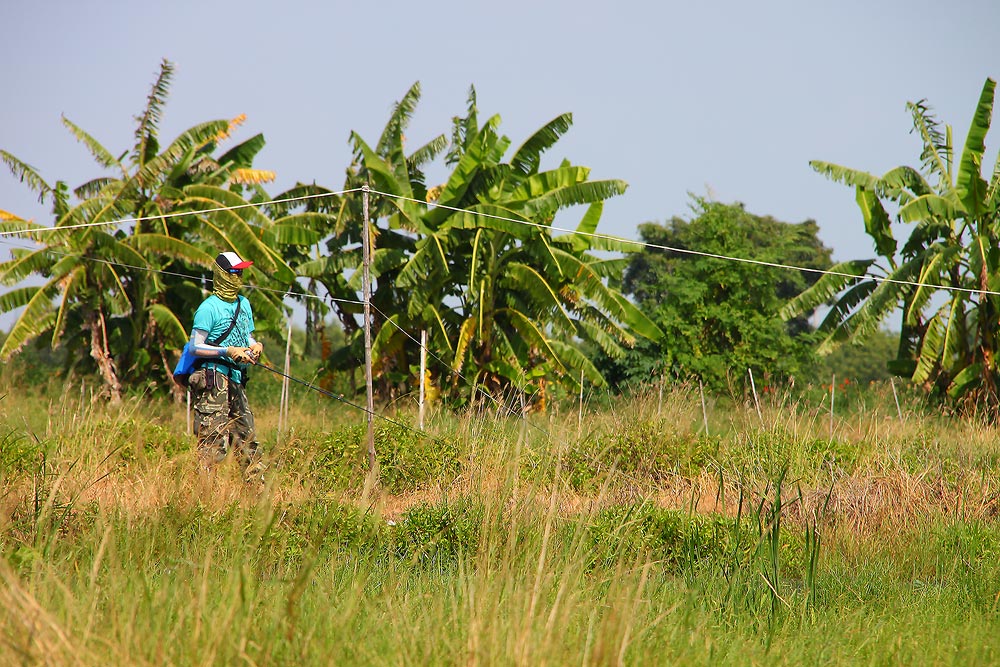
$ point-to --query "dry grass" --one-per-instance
(910, 469)
(526, 595)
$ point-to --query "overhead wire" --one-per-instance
(340, 397)
(176, 214)
(688, 251)
(196, 278)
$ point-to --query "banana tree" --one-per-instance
(506, 301)
(168, 212)
(337, 260)
(946, 276)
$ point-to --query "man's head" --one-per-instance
(229, 275)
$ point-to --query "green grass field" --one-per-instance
(631, 536)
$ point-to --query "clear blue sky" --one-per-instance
(726, 98)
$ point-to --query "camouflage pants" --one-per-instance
(223, 421)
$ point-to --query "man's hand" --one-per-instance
(240, 354)
(256, 350)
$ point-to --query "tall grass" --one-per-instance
(634, 537)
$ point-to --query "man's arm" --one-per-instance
(203, 349)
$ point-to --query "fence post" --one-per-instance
(756, 402)
(833, 390)
(366, 243)
(423, 374)
(896, 396)
(283, 407)
(704, 412)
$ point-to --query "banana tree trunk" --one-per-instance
(101, 354)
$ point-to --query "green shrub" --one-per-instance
(629, 533)
(407, 458)
(19, 454)
(768, 453)
(410, 460)
(340, 458)
(438, 532)
(651, 450)
(969, 543)
(837, 454)
(326, 526)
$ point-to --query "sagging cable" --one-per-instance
(340, 397)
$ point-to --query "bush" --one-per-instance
(407, 458)
(629, 533)
(432, 533)
(18, 454)
(768, 453)
(645, 449)
(326, 526)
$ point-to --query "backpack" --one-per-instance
(189, 363)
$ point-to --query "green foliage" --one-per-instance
(721, 317)
(326, 527)
(649, 451)
(339, 457)
(945, 277)
(118, 281)
(860, 361)
(772, 453)
(18, 454)
(438, 533)
(678, 541)
(101, 560)
(411, 460)
(504, 300)
(970, 544)
(408, 459)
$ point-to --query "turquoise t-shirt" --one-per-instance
(214, 316)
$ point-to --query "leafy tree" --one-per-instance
(506, 302)
(335, 224)
(720, 317)
(109, 288)
(863, 361)
(945, 277)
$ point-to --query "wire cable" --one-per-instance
(340, 397)
(188, 276)
(178, 214)
(656, 246)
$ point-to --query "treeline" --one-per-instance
(509, 304)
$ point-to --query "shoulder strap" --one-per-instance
(229, 329)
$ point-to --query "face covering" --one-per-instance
(226, 285)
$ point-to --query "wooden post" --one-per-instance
(579, 419)
(283, 407)
(833, 390)
(188, 393)
(896, 396)
(366, 244)
(423, 375)
(704, 412)
(756, 402)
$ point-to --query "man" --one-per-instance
(223, 343)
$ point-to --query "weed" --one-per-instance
(429, 533)
(650, 450)
(407, 458)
